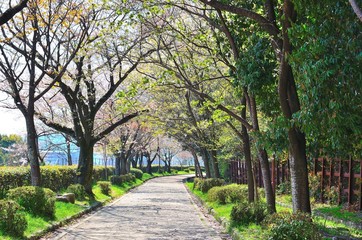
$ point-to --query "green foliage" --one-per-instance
(204, 185)
(12, 220)
(105, 187)
(228, 194)
(245, 213)
(54, 177)
(327, 63)
(284, 188)
(119, 180)
(78, 190)
(314, 186)
(138, 173)
(37, 200)
(287, 226)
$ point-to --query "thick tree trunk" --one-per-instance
(205, 157)
(32, 147)
(215, 164)
(118, 164)
(289, 102)
(85, 167)
(123, 164)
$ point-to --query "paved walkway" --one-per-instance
(159, 209)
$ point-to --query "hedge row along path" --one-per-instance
(159, 209)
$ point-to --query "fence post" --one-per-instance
(360, 185)
(322, 181)
(350, 181)
(340, 184)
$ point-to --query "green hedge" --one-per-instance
(53, 177)
(12, 220)
(137, 173)
(37, 200)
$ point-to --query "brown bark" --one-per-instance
(85, 166)
(247, 154)
(289, 102)
(205, 157)
(215, 164)
(263, 157)
(32, 147)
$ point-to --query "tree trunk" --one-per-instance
(247, 154)
(198, 171)
(123, 163)
(263, 158)
(32, 147)
(205, 157)
(69, 155)
(289, 102)
(215, 163)
(118, 164)
(85, 167)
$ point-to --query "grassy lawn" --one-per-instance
(64, 211)
(327, 227)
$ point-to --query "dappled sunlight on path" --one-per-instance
(159, 209)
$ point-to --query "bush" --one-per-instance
(119, 180)
(314, 186)
(137, 173)
(37, 200)
(105, 187)
(78, 190)
(54, 177)
(245, 213)
(228, 194)
(204, 185)
(12, 220)
(287, 226)
(174, 171)
(192, 169)
(187, 170)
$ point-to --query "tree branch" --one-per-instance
(356, 9)
(9, 14)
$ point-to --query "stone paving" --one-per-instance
(159, 209)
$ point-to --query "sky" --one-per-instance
(12, 122)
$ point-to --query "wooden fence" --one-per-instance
(345, 176)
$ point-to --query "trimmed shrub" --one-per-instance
(105, 187)
(228, 194)
(78, 190)
(245, 213)
(37, 200)
(288, 226)
(192, 169)
(137, 173)
(12, 220)
(204, 185)
(54, 177)
(119, 180)
(174, 171)
(186, 170)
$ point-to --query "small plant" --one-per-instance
(245, 213)
(12, 220)
(105, 187)
(288, 226)
(137, 173)
(78, 190)
(314, 186)
(331, 195)
(37, 200)
(284, 188)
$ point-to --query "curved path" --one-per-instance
(159, 209)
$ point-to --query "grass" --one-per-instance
(36, 224)
(327, 227)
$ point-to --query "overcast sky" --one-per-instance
(12, 122)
